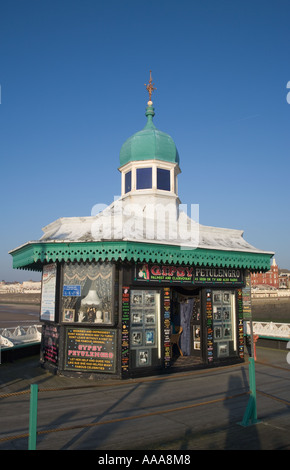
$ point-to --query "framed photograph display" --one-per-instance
(137, 318)
(223, 350)
(224, 322)
(136, 338)
(68, 315)
(143, 357)
(145, 326)
(150, 337)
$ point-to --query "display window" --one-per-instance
(145, 327)
(224, 323)
(87, 293)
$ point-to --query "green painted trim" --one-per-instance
(34, 254)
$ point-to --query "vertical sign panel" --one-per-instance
(209, 319)
(241, 323)
(125, 329)
(247, 304)
(167, 355)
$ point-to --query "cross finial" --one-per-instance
(150, 88)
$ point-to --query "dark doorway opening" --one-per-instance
(186, 321)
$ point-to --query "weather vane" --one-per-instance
(150, 88)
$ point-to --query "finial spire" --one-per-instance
(150, 88)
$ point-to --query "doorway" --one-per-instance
(186, 315)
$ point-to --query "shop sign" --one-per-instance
(217, 276)
(164, 273)
(198, 275)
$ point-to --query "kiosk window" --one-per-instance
(87, 293)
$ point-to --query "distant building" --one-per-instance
(269, 278)
(27, 287)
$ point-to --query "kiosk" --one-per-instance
(141, 287)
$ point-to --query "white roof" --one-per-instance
(148, 220)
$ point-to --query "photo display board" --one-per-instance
(144, 336)
(89, 349)
(223, 303)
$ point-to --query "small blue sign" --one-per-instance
(71, 291)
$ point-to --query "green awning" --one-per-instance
(33, 255)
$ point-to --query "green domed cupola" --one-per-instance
(149, 143)
(149, 159)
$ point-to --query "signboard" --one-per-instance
(71, 291)
(47, 311)
(89, 349)
(217, 276)
(197, 275)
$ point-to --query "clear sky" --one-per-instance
(72, 91)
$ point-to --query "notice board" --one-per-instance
(90, 350)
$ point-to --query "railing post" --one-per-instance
(33, 417)
(250, 415)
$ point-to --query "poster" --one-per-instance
(50, 344)
(47, 311)
(89, 349)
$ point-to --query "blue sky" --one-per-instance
(72, 91)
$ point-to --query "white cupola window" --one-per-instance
(163, 179)
(128, 181)
(144, 178)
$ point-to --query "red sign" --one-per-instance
(156, 272)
